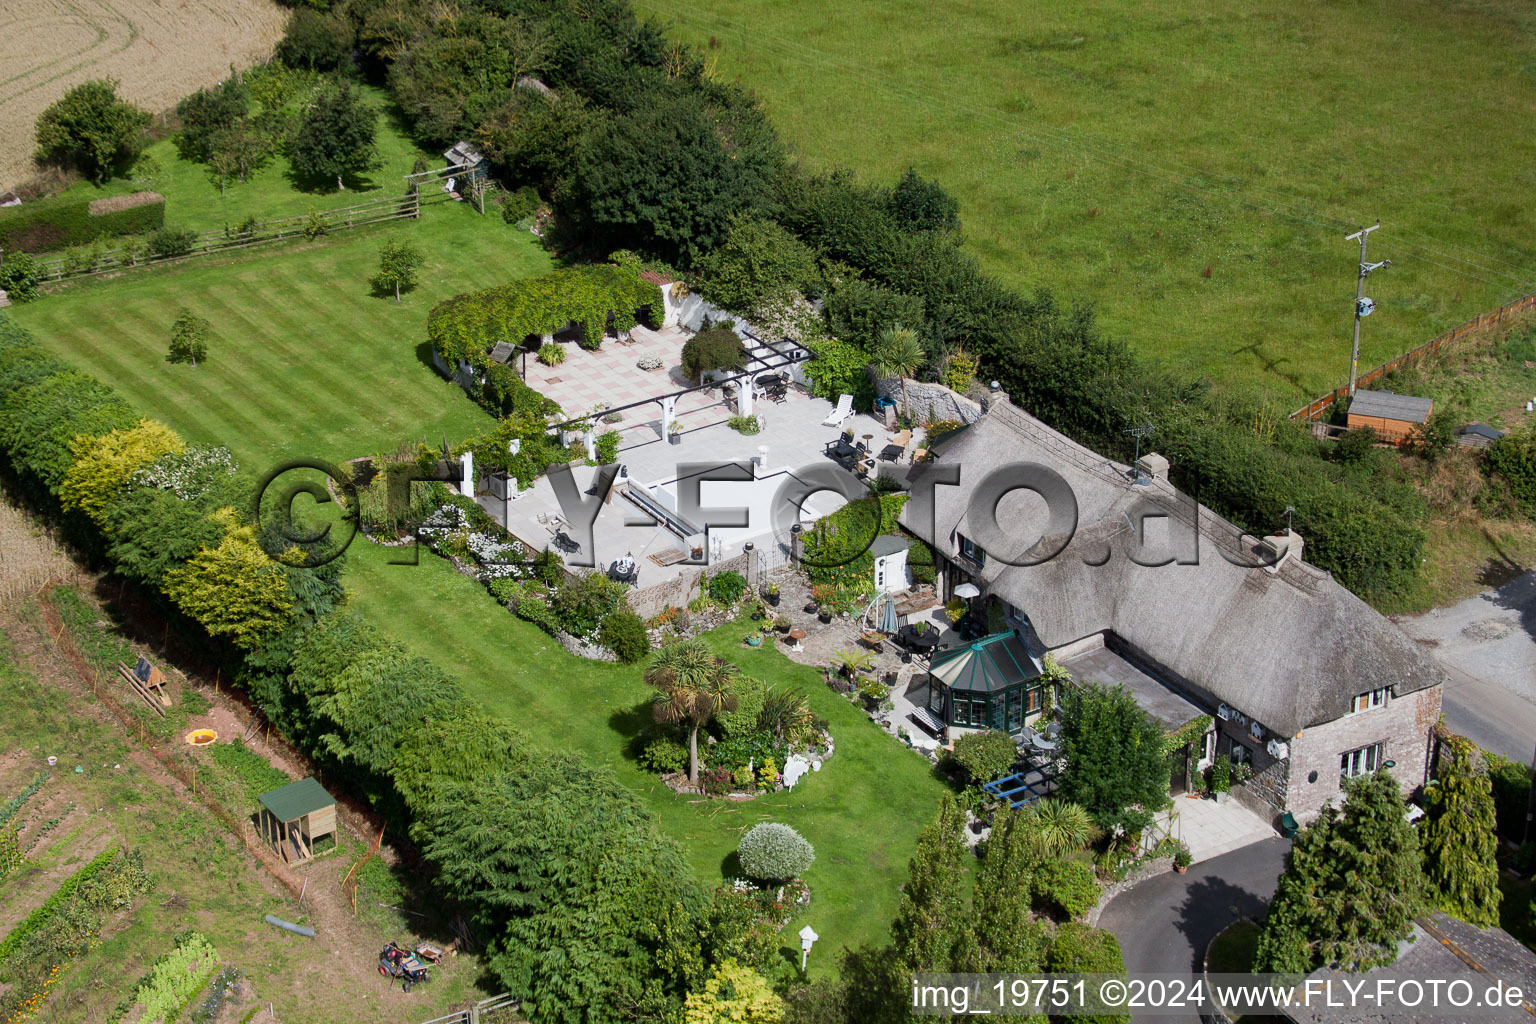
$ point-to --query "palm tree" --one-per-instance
(693, 685)
(898, 354)
(1059, 826)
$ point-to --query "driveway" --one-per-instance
(1487, 644)
(1165, 923)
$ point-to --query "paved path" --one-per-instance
(1488, 645)
(1165, 923)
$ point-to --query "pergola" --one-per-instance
(993, 683)
(294, 816)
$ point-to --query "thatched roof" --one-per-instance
(1289, 646)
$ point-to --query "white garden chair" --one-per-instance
(843, 411)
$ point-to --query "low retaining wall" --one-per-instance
(1140, 873)
(930, 400)
(680, 589)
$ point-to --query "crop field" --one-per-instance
(1191, 169)
(158, 50)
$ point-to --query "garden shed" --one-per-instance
(294, 817)
(1394, 417)
(993, 683)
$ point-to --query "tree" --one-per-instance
(932, 929)
(315, 40)
(40, 420)
(771, 852)
(336, 136)
(398, 262)
(1352, 882)
(758, 261)
(897, 353)
(19, 275)
(103, 465)
(239, 150)
(668, 175)
(734, 994)
(92, 129)
(693, 685)
(1114, 757)
(985, 755)
(207, 112)
(233, 589)
(1460, 839)
(1079, 949)
(715, 348)
(1008, 937)
(923, 205)
(189, 338)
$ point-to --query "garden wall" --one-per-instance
(930, 400)
(680, 589)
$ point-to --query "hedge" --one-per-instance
(58, 223)
(51, 905)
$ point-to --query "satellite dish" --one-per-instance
(1364, 307)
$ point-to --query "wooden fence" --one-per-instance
(87, 263)
(1475, 326)
(496, 1008)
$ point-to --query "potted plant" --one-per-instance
(1182, 859)
(1221, 779)
(782, 623)
(810, 608)
(675, 433)
(824, 612)
(771, 594)
(955, 611)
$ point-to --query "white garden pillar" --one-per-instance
(744, 395)
(467, 466)
(668, 414)
(589, 440)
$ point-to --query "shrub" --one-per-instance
(607, 447)
(1067, 886)
(175, 979)
(58, 223)
(551, 354)
(536, 610)
(92, 129)
(758, 260)
(584, 600)
(742, 719)
(1079, 949)
(1511, 782)
(747, 425)
(985, 755)
(774, 852)
(727, 587)
(315, 40)
(920, 563)
(168, 243)
(19, 276)
(519, 205)
(649, 363)
(623, 633)
(664, 755)
(718, 348)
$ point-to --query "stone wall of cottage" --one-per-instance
(931, 400)
(1403, 724)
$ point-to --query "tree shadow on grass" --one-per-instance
(636, 725)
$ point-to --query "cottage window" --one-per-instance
(970, 549)
(1239, 754)
(1367, 701)
(1361, 762)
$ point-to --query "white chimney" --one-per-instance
(1153, 465)
(1279, 548)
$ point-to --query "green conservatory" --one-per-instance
(992, 683)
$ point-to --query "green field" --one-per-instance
(862, 812)
(193, 200)
(1112, 151)
(304, 360)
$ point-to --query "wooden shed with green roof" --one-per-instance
(294, 817)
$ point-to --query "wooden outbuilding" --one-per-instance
(293, 817)
(1394, 417)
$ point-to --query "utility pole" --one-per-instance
(1363, 305)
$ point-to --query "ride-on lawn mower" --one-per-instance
(395, 962)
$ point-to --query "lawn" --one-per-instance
(193, 200)
(862, 812)
(304, 360)
(1191, 169)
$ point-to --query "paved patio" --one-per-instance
(1211, 829)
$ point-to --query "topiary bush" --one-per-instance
(727, 587)
(718, 348)
(772, 852)
(985, 755)
(623, 633)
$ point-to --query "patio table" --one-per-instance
(892, 452)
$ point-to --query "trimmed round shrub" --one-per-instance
(772, 852)
(1067, 887)
(727, 587)
(623, 633)
(718, 348)
(985, 755)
